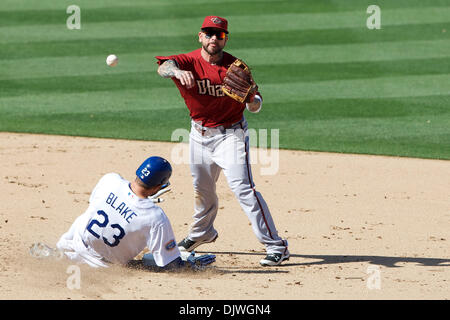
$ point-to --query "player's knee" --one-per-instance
(243, 191)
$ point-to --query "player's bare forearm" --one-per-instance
(169, 69)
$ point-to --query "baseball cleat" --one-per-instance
(274, 259)
(188, 245)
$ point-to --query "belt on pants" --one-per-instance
(89, 248)
(220, 129)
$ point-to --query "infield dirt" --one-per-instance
(358, 226)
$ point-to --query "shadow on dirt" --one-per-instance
(389, 262)
(138, 265)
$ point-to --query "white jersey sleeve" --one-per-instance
(161, 242)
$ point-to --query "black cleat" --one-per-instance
(274, 259)
(188, 245)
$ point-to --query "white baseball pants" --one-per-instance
(211, 151)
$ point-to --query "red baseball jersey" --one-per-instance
(206, 101)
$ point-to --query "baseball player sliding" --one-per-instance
(219, 138)
(122, 220)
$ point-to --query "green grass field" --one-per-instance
(328, 82)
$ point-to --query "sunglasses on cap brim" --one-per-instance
(219, 34)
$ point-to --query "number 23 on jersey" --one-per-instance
(96, 225)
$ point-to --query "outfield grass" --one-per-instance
(329, 83)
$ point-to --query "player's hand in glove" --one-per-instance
(200, 262)
(238, 82)
(165, 188)
(191, 262)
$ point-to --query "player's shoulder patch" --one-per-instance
(170, 245)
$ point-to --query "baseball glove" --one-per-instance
(198, 263)
(238, 82)
(189, 261)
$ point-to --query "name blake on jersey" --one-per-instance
(205, 87)
(122, 208)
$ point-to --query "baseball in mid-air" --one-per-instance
(112, 60)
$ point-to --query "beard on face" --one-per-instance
(212, 51)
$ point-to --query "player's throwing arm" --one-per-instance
(169, 69)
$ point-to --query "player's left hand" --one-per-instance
(199, 262)
(155, 198)
(238, 83)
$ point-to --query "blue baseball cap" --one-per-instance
(154, 171)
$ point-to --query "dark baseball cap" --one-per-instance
(216, 23)
(154, 171)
